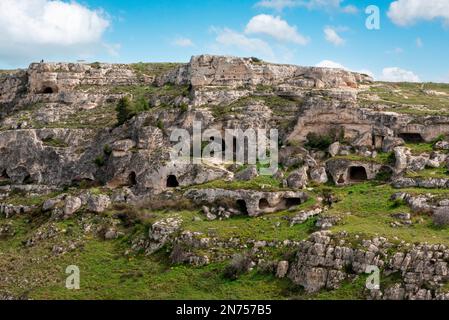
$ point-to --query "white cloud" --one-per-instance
(330, 64)
(408, 12)
(419, 42)
(278, 5)
(329, 5)
(333, 37)
(230, 41)
(395, 74)
(336, 65)
(183, 42)
(350, 9)
(30, 28)
(276, 28)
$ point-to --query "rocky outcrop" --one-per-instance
(249, 202)
(324, 262)
(346, 171)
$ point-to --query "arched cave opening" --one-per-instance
(357, 174)
(412, 137)
(241, 205)
(263, 204)
(292, 202)
(172, 181)
(132, 179)
(48, 90)
(341, 179)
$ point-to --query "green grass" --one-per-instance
(262, 183)
(55, 142)
(381, 158)
(153, 69)
(419, 148)
(370, 214)
(430, 173)
(403, 97)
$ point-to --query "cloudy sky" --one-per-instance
(412, 43)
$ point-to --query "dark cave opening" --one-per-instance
(132, 179)
(172, 182)
(412, 137)
(357, 174)
(264, 204)
(241, 205)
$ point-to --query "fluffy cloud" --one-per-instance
(183, 42)
(336, 65)
(330, 64)
(278, 5)
(395, 74)
(408, 12)
(333, 37)
(31, 28)
(276, 28)
(230, 41)
(310, 4)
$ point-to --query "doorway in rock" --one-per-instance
(241, 205)
(48, 90)
(412, 137)
(264, 204)
(172, 182)
(132, 179)
(292, 202)
(357, 174)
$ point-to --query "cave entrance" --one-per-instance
(292, 202)
(132, 179)
(48, 90)
(264, 204)
(357, 174)
(172, 182)
(412, 137)
(341, 179)
(241, 205)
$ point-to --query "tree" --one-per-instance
(125, 110)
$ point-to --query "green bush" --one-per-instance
(100, 161)
(107, 150)
(315, 141)
(127, 108)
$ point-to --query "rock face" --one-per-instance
(248, 202)
(345, 171)
(320, 263)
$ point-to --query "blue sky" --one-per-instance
(412, 42)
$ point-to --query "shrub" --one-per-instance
(125, 110)
(107, 150)
(184, 107)
(100, 161)
(315, 141)
(240, 264)
(441, 217)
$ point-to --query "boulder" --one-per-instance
(298, 178)
(98, 203)
(334, 149)
(389, 143)
(71, 206)
(247, 174)
(319, 175)
(282, 269)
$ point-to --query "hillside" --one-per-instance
(87, 179)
